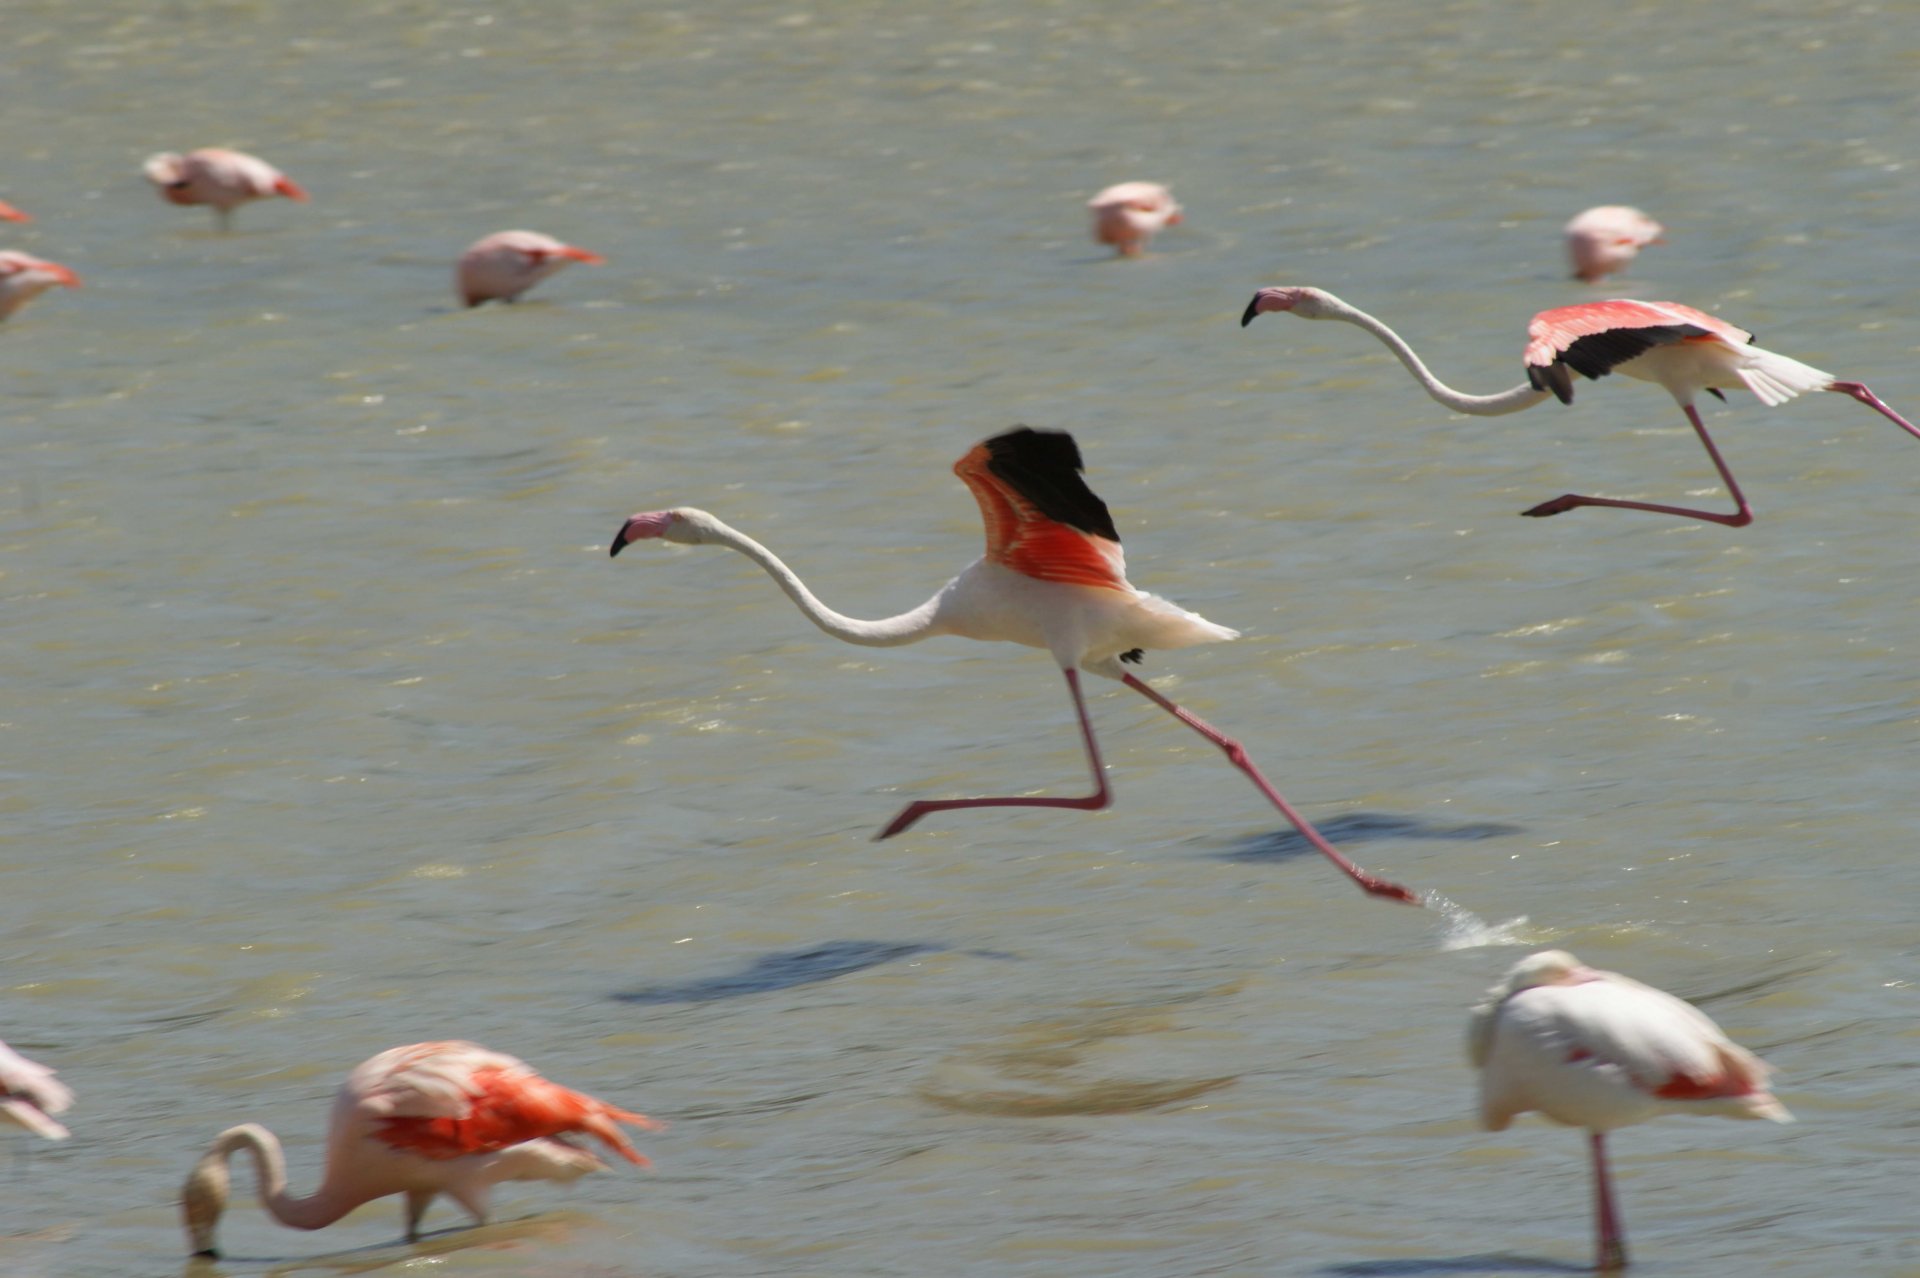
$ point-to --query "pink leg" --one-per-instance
(1237, 755)
(1570, 501)
(1874, 402)
(1100, 798)
(1613, 1243)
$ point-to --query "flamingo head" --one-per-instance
(1307, 303)
(683, 524)
(202, 1201)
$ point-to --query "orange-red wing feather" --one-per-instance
(1021, 538)
(508, 1107)
(1552, 332)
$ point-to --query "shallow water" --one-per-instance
(330, 726)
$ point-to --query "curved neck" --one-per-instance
(1508, 401)
(321, 1208)
(908, 627)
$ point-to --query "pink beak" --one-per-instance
(291, 189)
(588, 256)
(653, 523)
(61, 273)
(8, 213)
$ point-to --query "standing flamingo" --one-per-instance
(1053, 577)
(1599, 1050)
(1130, 214)
(24, 277)
(434, 1118)
(224, 179)
(508, 263)
(8, 213)
(1682, 349)
(30, 1095)
(1603, 240)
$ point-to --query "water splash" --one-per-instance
(1462, 929)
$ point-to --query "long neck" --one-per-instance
(1509, 401)
(323, 1207)
(888, 632)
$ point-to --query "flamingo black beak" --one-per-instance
(619, 542)
(1253, 309)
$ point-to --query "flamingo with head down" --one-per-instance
(1603, 240)
(506, 264)
(1674, 346)
(1053, 577)
(1130, 214)
(24, 277)
(220, 178)
(30, 1095)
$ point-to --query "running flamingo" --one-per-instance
(8, 213)
(225, 179)
(1684, 350)
(1053, 577)
(1129, 215)
(30, 1095)
(24, 277)
(508, 263)
(434, 1118)
(1599, 1050)
(1603, 240)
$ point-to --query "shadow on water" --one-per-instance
(786, 969)
(1361, 827)
(1415, 1266)
(543, 1232)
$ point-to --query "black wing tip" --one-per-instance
(1044, 466)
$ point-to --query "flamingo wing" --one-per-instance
(1041, 518)
(1595, 338)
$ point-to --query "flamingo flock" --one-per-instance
(1583, 1047)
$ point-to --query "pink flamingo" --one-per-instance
(434, 1118)
(508, 263)
(1603, 240)
(1053, 577)
(224, 179)
(30, 1095)
(1599, 1050)
(24, 277)
(8, 213)
(1684, 350)
(1129, 215)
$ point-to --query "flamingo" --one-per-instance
(24, 277)
(1682, 349)
(30, 1095)
(1600, 1050)
(1603, 240)
(447, 1118)
(8, 213)
(225, 179)
(1053, 577)
(508, 263)
(1130, 214)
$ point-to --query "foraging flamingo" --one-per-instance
(30, 1095)
(1603, 240)
(508, 263)
(447, 1118)
(8, 213)
(1599, 1050)
(1682, 349)
(1053, 577)
(224, 179)
(24, 277)
(1129, 215)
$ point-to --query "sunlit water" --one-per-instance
(330, 726)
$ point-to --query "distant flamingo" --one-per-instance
(8, 213)
(1598, 1050)
(1129, 215)
(434, 1118)
(224, 179)
(30, 1095)
(508, 263)
(1682, 349)
(1603, 240)
(1053, 577)
(24, 277)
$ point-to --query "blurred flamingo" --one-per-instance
(24, 277)
(8, 213)
(1129, 215)
(507, 263)
(1053, 577)
(1682, 349)
(1599, 1050)
(447, 1118)
(30, 1095)
(218, 177)
(1603, 240)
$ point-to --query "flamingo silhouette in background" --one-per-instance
(30, 1095)
(1684, 350)
(1599, 1050)
(1130, 214)
(8, 213)
(447, 1118)
(1603, 240)
(220, 178)
(508, 263)
(24, 277)
(1053, 577)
